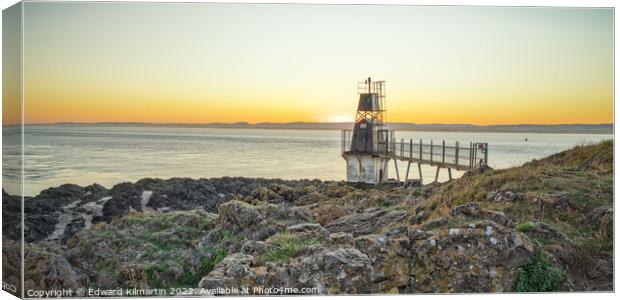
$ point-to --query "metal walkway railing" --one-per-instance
(441, 154)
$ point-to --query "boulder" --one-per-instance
(389, 257)
(478, 257)
(233, 272)
(253, 222)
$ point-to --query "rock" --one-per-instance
(559, 246)
(125, 197)
(434, 223)
(505, 196)
(415, 234)
(12, 220)
(328, 212)
(253, 222)
(488, 230)
(233, 272)
(341, 238)
(63, 194)
(47, 270)
(397, 231)
(496, 216)
(254, 248)
(467, 259)
(420, 217)
(602, 219)
(134, 276)
(344, 270)
(369, 221)
(473, 209)
(469, 209)
(12, 265)
(309, 231)
(389, 257)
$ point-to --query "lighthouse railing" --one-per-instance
(447, 154)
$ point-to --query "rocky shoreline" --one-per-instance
(334, 237)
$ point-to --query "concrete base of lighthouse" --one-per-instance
(366, 168)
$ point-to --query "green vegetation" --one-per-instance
(539, 275)
(196, 220)
(525, 227)
(210, 261)
(108, 266)
(285, 246)
(152, 276)
(559, 190)
(228, 236)
(166, 244)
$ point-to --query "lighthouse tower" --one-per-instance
(365, 149)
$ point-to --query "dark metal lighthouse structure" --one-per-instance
(369, 147)
(366, 155)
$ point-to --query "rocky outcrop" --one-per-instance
(12, 218)
(602, 219)
(331, 237)
(504, 196)
(329, 271)
(368, 221)
(267, 238)
(48, 269)
(61, 212)
(258, 222)
(473, 210)
(480, 257)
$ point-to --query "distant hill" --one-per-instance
(607, 128)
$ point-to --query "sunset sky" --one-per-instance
(200, 63)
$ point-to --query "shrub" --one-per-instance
(539, 275)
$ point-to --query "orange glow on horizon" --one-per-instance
(208, 62)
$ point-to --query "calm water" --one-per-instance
(83, 155)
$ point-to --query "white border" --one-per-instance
(563, 3)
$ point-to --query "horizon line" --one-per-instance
(321, 124)
(300, 122)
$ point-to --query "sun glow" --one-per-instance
(296, 63)
(340, 119)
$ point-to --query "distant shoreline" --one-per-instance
(606, 128)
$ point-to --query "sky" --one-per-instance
(201, 63)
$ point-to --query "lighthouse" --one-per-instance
(365, 148)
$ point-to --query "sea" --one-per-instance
(107, 155)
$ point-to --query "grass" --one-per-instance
(165, 244)
(525, 227)
(108, 266)
(285, 246)
(210, 261)
(197, 220)
(191, 279)
(539, 275)
(559, 190)
(229, 236)
(584, 174)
